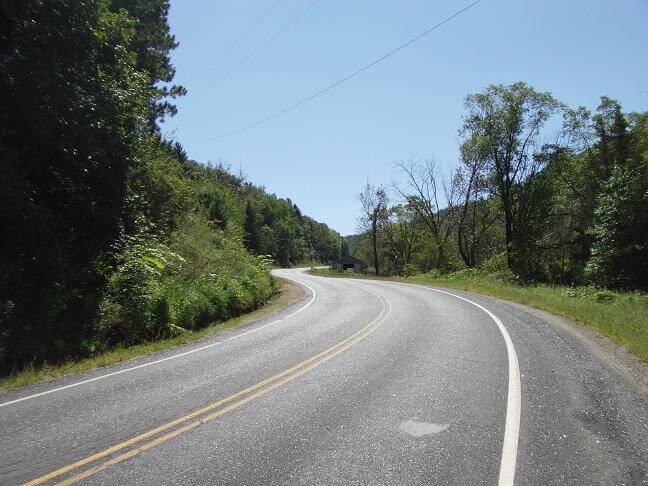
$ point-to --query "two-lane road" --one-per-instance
(361, 382)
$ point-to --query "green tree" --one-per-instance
(505, 122)
(152, 43)
(401, 236)
(433, 198)
(374, 206)
(344, 248)
(72, 126)
(476, 213)
(620, 248)
(252, 235)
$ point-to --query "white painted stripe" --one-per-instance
(514, 396)
(175, 356)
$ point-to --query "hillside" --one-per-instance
(115, 236)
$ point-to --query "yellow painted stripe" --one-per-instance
(287, 375)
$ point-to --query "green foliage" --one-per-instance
(503, 125)
(151, 43)
(572, 212)
(70, 116)
(135, 307)
(116, 237)
(495, 269)
(276, 227)
(203, 276)
(252, 229)
(620, 250)
(215, 205)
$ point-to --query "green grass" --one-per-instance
(287, 294)
(621, 316)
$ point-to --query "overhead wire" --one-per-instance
(236, 41)
(259, 48)
(344, 79)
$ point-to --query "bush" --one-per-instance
(135, 307)
(493, 269)
(200, 304)
(159, 291)
(497, 268)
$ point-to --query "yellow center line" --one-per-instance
(275, 381)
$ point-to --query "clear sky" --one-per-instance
(321, 153)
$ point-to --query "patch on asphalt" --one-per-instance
(419, 429)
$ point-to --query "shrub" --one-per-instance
(135, 308)
(158, 291)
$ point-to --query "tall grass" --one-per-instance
(621, 316)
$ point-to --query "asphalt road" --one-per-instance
(362, 382)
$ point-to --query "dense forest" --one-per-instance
(111, 235)
(542, 193)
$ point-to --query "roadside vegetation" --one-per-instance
(547, 206)
(112, 236)
(287, 293)
(621, 316)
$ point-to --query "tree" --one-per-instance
(152, 42)
(70, 130)
(374, 204)
(252, 235)
(401, 232)
(505, 122)
(344, 247)
(215, 205)
(434, 200)
(610, 126)
(476, 215)
(620, 249)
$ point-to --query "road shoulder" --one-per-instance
(633, 371)
(289, 295)
(625, 364)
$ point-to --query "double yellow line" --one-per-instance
(125, 450)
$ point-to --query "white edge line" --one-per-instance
(179, 355)
(514, 396)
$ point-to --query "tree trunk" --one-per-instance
(441, 258)
(374, 231)
(508, 223)
(460, 246)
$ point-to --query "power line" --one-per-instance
(346, 78)
(258, 49)
(237, 40)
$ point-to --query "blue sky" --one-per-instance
(321, 153)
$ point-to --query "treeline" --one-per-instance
(542, 193)
(111, 236)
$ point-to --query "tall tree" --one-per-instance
(152, 42)
(506, 122)
(70, 129)
(476, 214)
(434, 200)
(344, 247)
(620, 248)
(401, 236)
(374, 204)
(251, 228)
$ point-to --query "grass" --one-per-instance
(286, 294)
(621, 316)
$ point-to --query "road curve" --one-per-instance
(360, 382)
